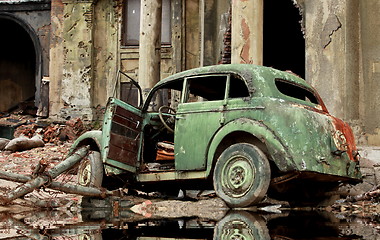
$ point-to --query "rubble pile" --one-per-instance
(29, 133)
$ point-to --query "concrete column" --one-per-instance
(76, 85)
(150, 44)
(56, 61)
(247, 31)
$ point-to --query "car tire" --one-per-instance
(90, 170)
(241, 225)
(241, 175)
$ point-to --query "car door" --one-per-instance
(199, 116)
(122, 132)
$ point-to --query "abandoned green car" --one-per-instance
(236, 128)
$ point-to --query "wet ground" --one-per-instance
(71, 224)
(153, 218)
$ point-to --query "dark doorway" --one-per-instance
(17, 65)
(284, 45)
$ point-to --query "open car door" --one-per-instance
(122, 129)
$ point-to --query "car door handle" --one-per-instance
(177, 118)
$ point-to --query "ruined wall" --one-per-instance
(370, 59)
(71, 59)
(40, 22)
(107, 19)
(193, 34)
(215, 25)
(343, 61)
(25, 50)
(56, 59)
(332, 55)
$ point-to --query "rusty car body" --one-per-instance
(239, 127)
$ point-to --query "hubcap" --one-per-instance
(84, 176)
(237, 176)
(237, 230)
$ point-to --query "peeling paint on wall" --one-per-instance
(332, 25)
(245, 50)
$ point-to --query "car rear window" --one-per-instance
(295, 91)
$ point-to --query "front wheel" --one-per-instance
(90, 170)
(241, 175)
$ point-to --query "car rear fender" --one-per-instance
(275, 149)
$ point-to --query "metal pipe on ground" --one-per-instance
(45, 178)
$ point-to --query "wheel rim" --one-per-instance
(84, 173)
(237, 230)
(238, 176)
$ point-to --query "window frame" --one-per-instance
(124, 29)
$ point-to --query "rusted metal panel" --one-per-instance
(123, 149)
(124, 135)
(121, 112)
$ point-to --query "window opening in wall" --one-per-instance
(295, 91)
(131, 23)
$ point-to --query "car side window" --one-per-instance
(166, 95)
(295, 91)
(206, 88)
(238, 88)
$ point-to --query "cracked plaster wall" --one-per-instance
(107, 16)
(343, 61)
(370, 59)
(84, 49)
(325, 50)
(332, 54)
(77, 53)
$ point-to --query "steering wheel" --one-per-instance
(169, 119)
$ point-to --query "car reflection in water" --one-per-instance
(236, 225)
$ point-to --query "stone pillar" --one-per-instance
(56, 60)
(76, 85)
(247, 31)
(150, 44)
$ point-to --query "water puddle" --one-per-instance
(236, 225)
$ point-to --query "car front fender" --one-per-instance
(276, 149)
(92, 138)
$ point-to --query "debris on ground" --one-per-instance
(22, 143)
(27, 132)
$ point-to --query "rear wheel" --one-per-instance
(90, 170)
(241, 175)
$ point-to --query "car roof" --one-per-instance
(259, 75)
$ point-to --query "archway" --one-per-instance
(284, 44)
(20, 63)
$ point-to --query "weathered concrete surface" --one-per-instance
(247, 31)
(56, 63)
(370, 60)
(107, 17)
(150, 38)
(342, 61)
(78, 54)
